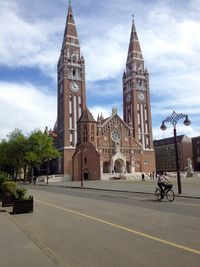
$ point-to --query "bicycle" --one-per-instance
(168, 193)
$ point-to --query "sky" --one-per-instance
(31, 34)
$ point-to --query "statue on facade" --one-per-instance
(190, 170)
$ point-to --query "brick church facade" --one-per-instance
(97, 149)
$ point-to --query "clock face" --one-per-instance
(140, 96)
(128, 97)
(74, 87)
(115, 135)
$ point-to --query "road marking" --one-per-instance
(123, 228)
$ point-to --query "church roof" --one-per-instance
(70, 28)
(114, 114)
(134, 45)
(86, 116)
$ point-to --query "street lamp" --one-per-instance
(81, 150)
(174, 118)
(81, 167)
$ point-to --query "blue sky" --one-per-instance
(31, 35)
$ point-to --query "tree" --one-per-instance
(12, 153)
(30, 152)
(40, 149)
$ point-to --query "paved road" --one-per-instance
(190, 186)
(90, 228)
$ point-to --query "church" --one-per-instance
(106, 147)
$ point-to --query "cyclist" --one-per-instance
(162, 183)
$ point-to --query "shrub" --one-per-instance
(20, 193)
(9, 187)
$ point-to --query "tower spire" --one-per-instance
(136, 101)
(134, 50)
(71, 92)
(70, 33)
(132, 17)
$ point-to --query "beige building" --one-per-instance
(112, 146)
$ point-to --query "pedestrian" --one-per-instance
(143, 178)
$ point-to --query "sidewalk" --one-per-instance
(190, 186)
(17, 249)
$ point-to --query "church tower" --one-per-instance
(136, 95)
(71, 93)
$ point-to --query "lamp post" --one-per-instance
(81, 168)
(174, 118)
(81, 150)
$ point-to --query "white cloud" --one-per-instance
(106, 54)
(25, 107)
(98, 110)
(26, 43)
(169, 33)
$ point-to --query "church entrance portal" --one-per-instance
(119, 166)
(86, 175)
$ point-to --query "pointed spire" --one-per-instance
(124, 74)
(101, 117)
(82, 59)
(132, 18)
(70, 33)
(134, 45)
(86, 116)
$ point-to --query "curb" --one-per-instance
(115, 190)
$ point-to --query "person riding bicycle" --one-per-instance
(162, 182)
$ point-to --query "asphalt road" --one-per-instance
(90, 228)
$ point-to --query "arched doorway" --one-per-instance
(106, 166)
(128, 167)
(86, 175)
(119, 166)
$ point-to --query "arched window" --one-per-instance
(106, 167)
(85, 133)
(68, 53)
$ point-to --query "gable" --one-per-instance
(115, 119)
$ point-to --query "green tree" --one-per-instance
(40, 149)
(12, 152)
(20, 152)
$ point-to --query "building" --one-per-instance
(95, 149)
(165, 153)
(196, 153)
